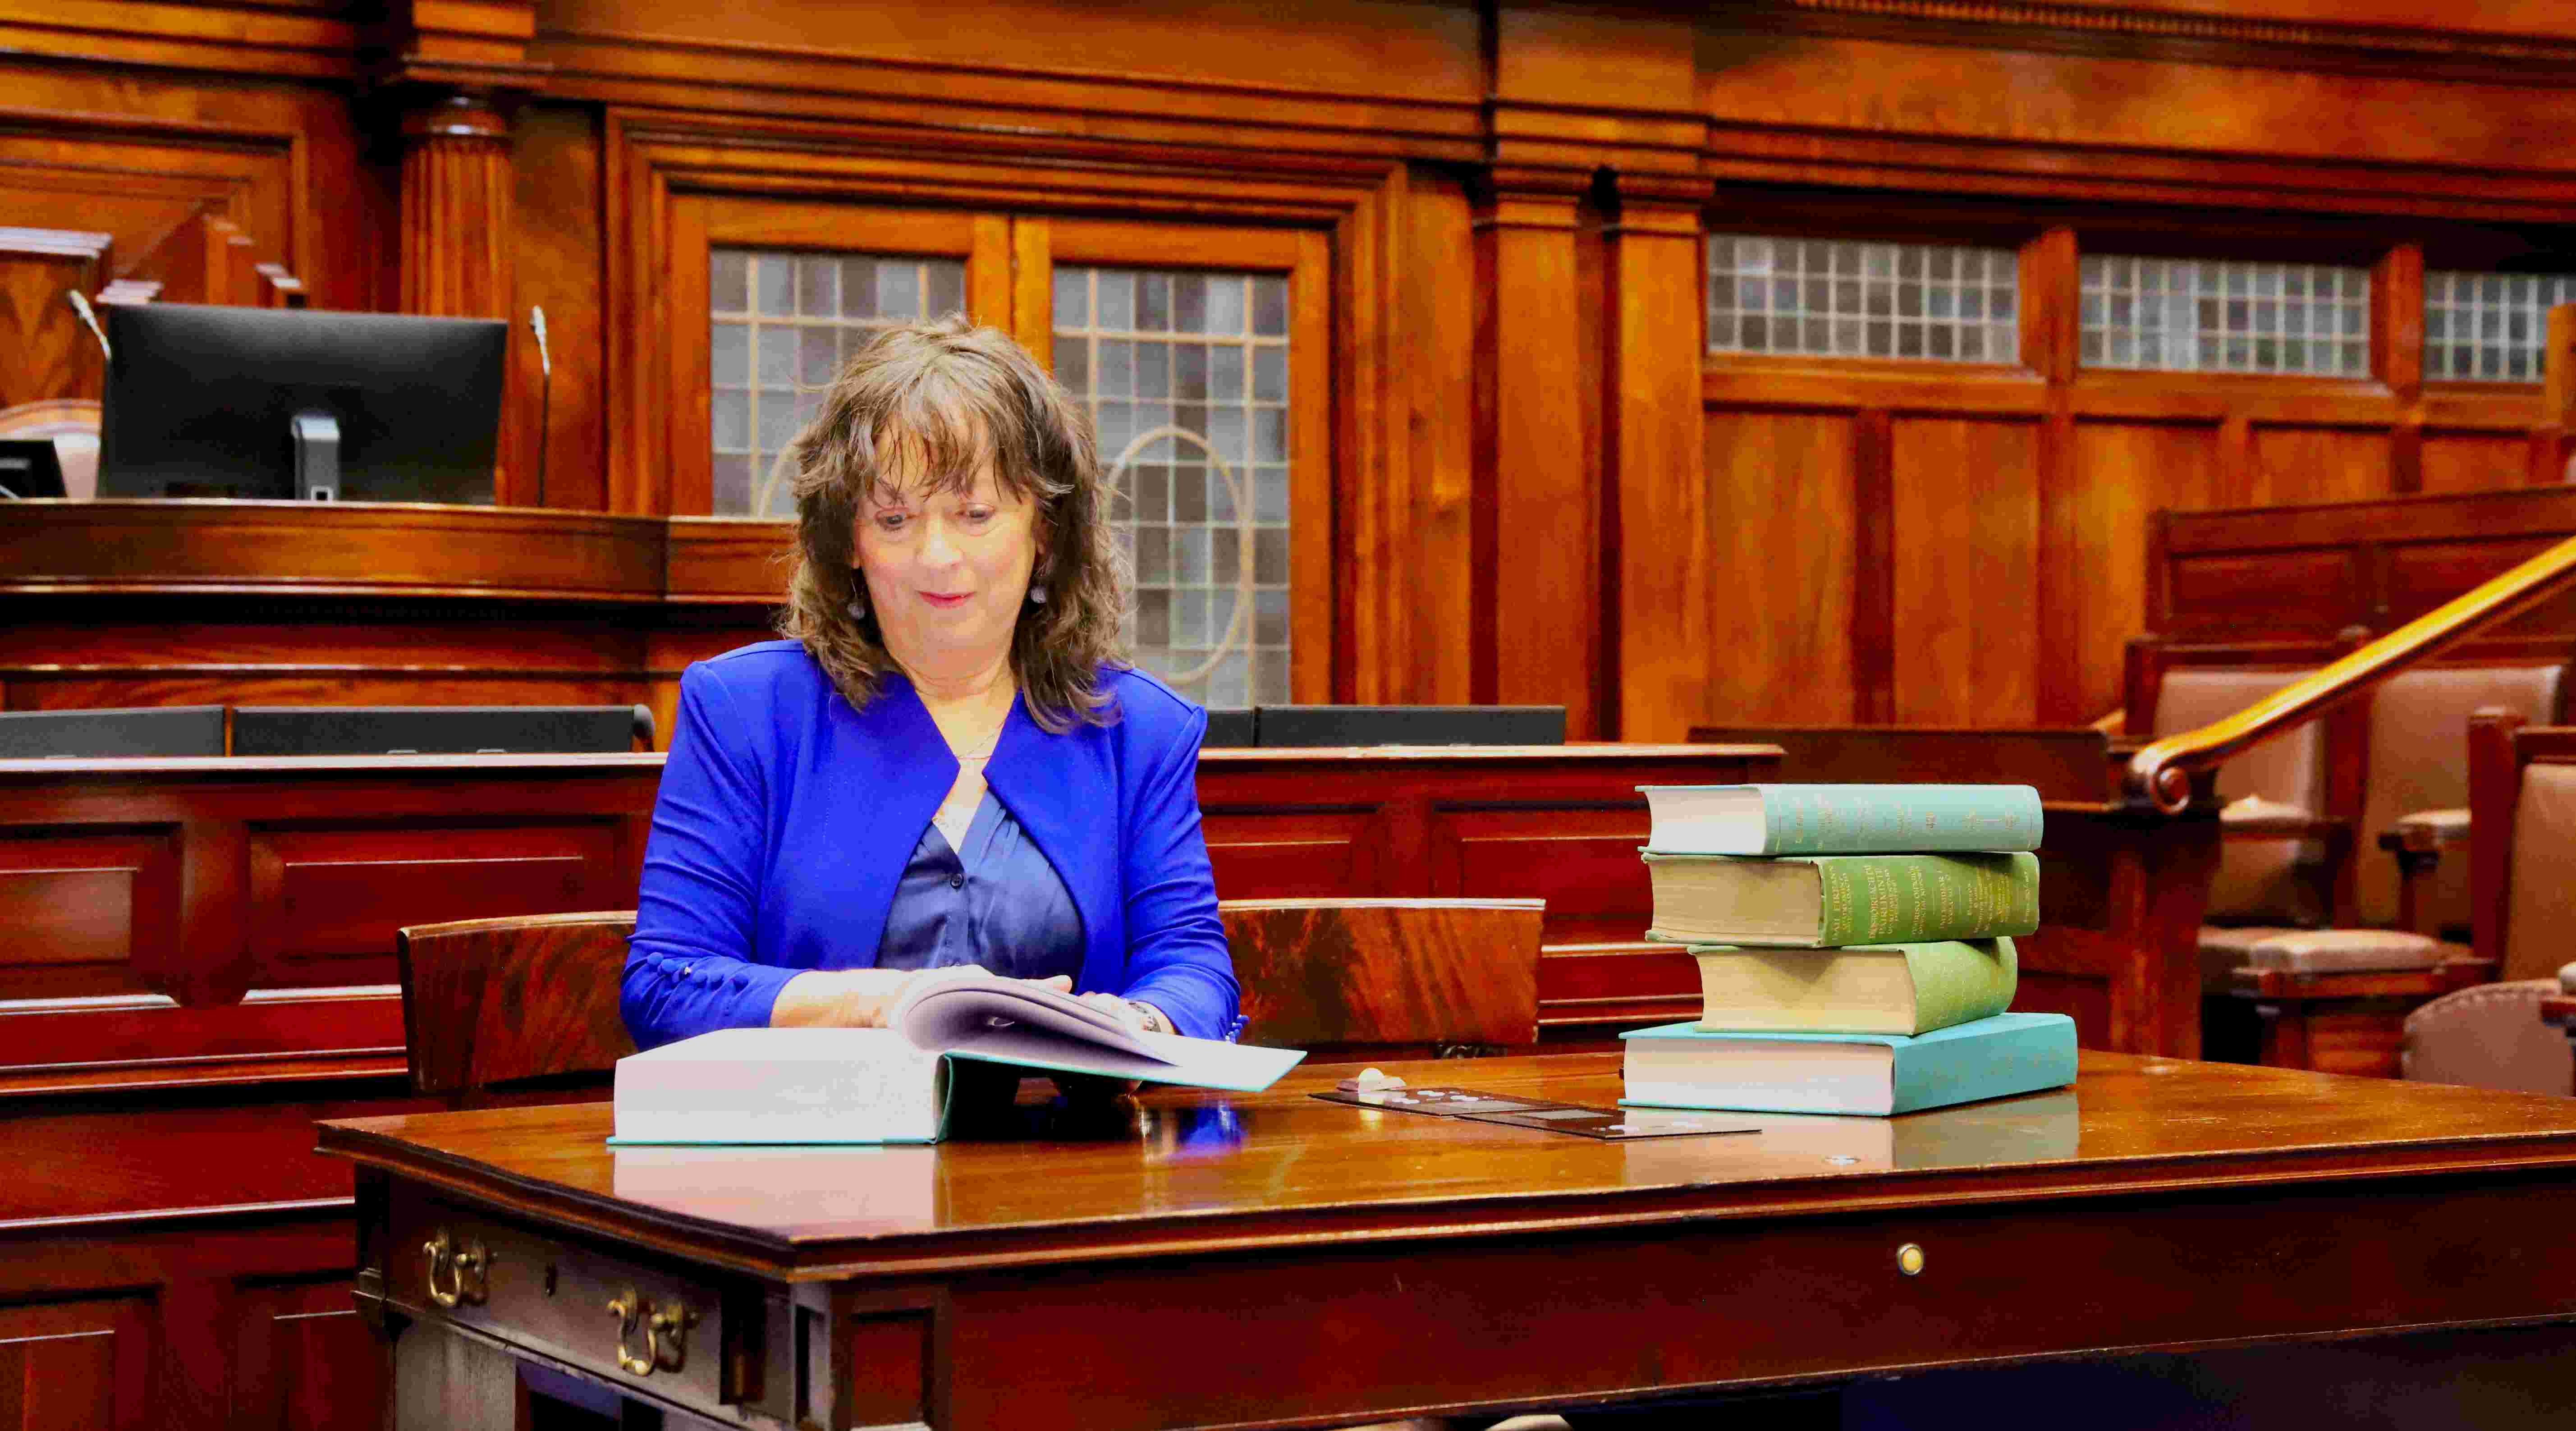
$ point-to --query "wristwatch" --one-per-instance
(1154, 1020)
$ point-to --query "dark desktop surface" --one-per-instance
(200, 401)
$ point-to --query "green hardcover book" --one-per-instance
(1823, 901)
(1840, 819)
(1863, 988)
(1686, 1066)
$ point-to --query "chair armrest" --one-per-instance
(2255, 818)
(2426, 831)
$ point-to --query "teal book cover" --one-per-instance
(1841, 819)
(1685, 1066)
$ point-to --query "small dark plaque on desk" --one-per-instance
(1608, 1124)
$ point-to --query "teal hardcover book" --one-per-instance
(1686, 1066)
(1840, 819)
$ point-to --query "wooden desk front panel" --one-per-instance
(208, 912)
(1521, 1322)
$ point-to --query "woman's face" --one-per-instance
(946, 571)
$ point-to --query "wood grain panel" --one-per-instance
(329, 900)
(59, 1365)
(87, 914)
(1581, 860)
(1781, 526)
(2097, 566)
(302, 1359)
(2475, 462)
(1966, 520)
(56, 357)
(1297, 854)
(1403, 972)
(2316, 465)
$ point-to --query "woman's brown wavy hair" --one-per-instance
(941, 400)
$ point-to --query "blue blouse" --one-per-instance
(995, 903)
(787, 820)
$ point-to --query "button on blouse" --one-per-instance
(997, 903)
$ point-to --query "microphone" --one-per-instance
(545, 396)
(89, 316)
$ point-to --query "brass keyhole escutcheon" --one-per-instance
(466, 1268)
(666, 1334)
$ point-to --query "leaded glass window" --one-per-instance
(2489, 327)
(2214, 316)
(1832, 298)
(781, 324)
(1186, 376)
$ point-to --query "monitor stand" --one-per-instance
(317, 455)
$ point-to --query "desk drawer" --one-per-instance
(669, 1335)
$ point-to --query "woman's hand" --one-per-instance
(861, 998)
(1142, 1017)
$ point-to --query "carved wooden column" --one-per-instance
(1654, 458)
(456, 208)
(1537, 452)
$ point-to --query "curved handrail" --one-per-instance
(2161, 772)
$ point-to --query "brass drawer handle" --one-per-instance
(467, 1269)
(666, 1333)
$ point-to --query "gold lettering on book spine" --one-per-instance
(1921, 908)
(1882, 902)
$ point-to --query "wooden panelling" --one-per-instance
(2123, 472)
(2307, 573)
(304, 1359)
(1780, 504)
(2314, 465)
(60, 1365)
(2474, 462)
(1296, 855)
(1966, 519)
(1583, 862)
(88, 915)
(331, 898)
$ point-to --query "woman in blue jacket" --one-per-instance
(949, 763)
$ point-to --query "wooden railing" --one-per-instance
(2161, 772)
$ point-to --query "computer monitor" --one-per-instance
(30, 468)
(1410, 725)
(208, 401)
(105, 734)
(440, 730)
(1229, 727)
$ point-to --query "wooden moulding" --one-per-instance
(385, 549)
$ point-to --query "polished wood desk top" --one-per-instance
(1229, 1172)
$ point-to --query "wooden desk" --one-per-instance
(1387, 1263)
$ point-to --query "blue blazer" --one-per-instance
(785, 819)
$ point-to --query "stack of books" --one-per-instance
(1855, 948)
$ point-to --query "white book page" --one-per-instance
(953, 1013)
(1170, 1058)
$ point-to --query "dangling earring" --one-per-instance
(1037, 593)
(857, 606)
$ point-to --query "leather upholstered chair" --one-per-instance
(2418, 785)
(2522, 783)
(2275, 863)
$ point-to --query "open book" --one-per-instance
(895, 1084)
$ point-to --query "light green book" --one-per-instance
(1862, 988)
(1824, 901)
(1840, 819)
